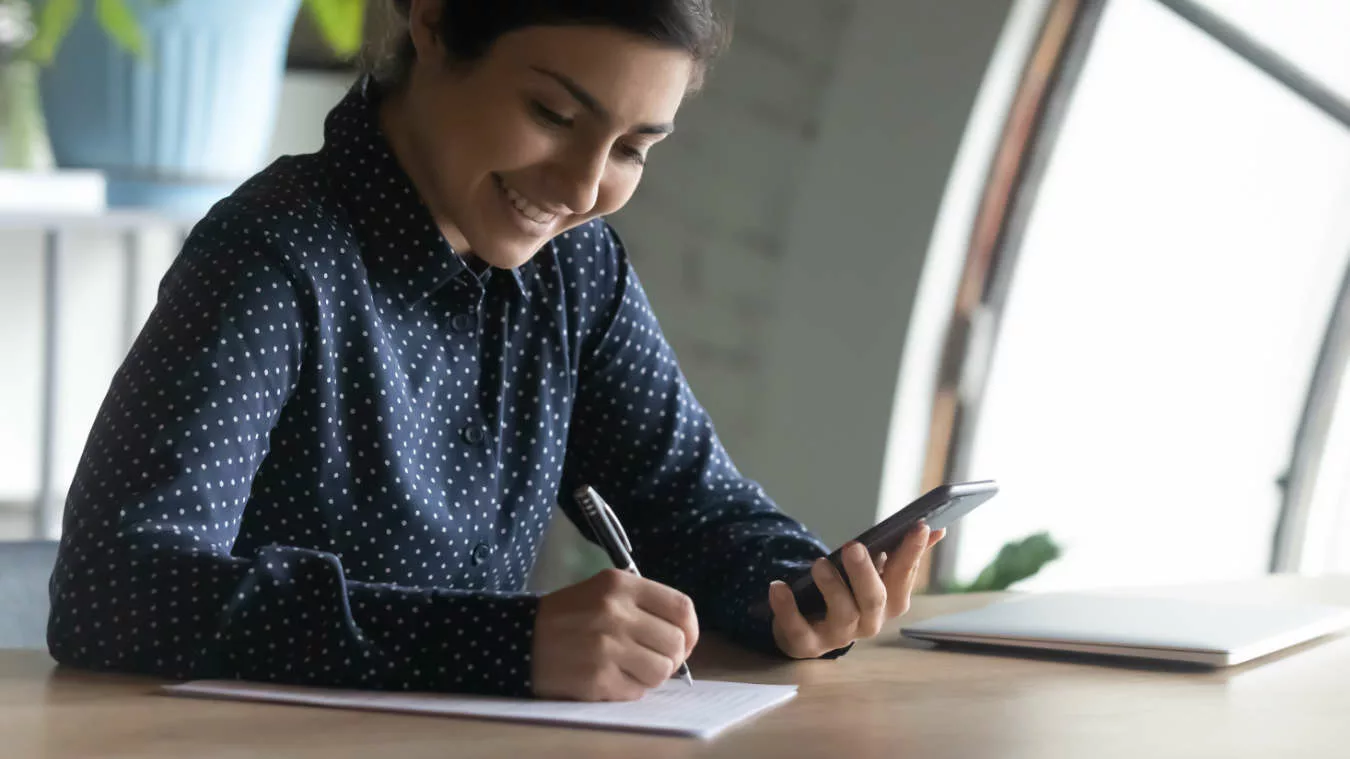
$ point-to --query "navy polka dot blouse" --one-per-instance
(333, 450)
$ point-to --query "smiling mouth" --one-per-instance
(523, 205)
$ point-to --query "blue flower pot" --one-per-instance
(182, 126)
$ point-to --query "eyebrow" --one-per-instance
(588, 101)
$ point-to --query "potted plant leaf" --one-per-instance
(1017, 560)
(174, 100)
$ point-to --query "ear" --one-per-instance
(424, 27)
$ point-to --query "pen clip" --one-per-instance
(614, 520)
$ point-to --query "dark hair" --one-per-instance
(469, 27)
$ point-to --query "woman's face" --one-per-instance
(548, 130)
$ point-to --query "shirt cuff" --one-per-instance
(454, 641)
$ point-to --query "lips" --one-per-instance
(525, 207)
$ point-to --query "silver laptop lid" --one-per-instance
(1105, 623)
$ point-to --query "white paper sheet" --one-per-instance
(702, 711)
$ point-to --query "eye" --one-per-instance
(549, 116)
(632, 154)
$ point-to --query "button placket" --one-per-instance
(472, 433)
(480, 554)
(463, 322)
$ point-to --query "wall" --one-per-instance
(708, 228)
(781, 235)
(862, 223)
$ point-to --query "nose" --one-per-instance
(577, 180)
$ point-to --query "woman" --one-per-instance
(332, 452)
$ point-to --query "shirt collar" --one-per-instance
(411, 258)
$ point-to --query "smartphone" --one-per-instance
(939, 508)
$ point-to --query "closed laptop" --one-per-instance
(1211, 633)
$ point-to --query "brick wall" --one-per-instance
(706, 228)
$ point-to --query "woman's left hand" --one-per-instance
(880, 593)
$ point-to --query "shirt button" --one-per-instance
(480, 554)
(472, 434)
(463, 322)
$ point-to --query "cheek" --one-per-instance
(442, 132)
(512, 146)
(475, 145)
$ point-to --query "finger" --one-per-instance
(902, 571)
(869, 593)
(661, 637)
(936, 536)
(841, 611)
(796, 637)
(671, 605)
(910, 551)
(617, 685)
(645, 666)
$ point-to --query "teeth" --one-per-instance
(527, 209)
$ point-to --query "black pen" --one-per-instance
(609, 531)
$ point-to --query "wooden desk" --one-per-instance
(885, 698)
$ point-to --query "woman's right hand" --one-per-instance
(610, 638)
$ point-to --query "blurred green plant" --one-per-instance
(1016, 561)
(341, 23)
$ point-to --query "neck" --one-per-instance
(394, 123)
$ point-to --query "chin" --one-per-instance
(507, 256)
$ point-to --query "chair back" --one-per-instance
(25, 568)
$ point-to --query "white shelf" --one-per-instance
(71, 199)
(112, 219)
(57, 192)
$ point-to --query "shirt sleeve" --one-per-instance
(146, 579)
(641, 438)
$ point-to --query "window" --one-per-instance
(1169, 298)
(1311, 34)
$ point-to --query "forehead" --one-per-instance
(637, 79)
